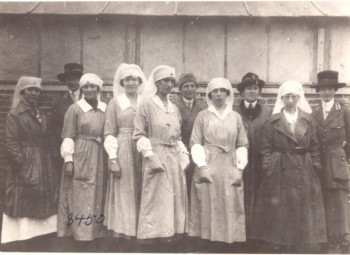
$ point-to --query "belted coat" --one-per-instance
(289, 208)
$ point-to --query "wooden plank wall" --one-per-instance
(276, 49)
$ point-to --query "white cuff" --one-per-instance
(181, 147)
(111, 146)
(67, 149)
(241, 157)
(68, 158)
(144, 146)
(198, 155)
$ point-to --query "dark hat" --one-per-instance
(250, 79)
(69, 70)
(328, 78)
(186, 77)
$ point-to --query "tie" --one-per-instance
(189, 105)
(250, 107)
(326, 114)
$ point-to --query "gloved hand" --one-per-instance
(114, 167)
(237, 177)
(204, 175)
(69, 168)
(184, 161)
(155, 164)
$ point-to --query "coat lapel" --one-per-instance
(318, 115)
(281, 126)
(332, 115)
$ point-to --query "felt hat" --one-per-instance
(187, 77)
(328, 78)
(70, 69)
(250, 79)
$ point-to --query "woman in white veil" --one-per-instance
(219, 150)
(289, 213)
(124, 179)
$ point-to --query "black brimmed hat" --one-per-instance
(250, 79)
(70, 69)
(328, 78)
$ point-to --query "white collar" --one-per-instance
(124, 101)
(291, 117)
(224, 114)
(158, 102)
(188, 101)
(247, 104)
(85, 106)
(327, 106)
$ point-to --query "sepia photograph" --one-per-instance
(175, 127)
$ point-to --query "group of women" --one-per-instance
(124, 167)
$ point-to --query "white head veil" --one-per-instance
(160, 72)
(91, 78)
(220, 83)
(23, 83)
(293, 87)
(123, 71)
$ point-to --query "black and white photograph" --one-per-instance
(175, 127)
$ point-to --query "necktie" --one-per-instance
(250, 107)
(189, 105)
(326, 113)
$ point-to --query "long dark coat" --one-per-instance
(334, 138)
(59, 109)
(253, 121)
(31, 184)
(187, 120)
(289, 208)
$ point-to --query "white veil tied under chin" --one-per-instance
(126, 70)
(291, 87)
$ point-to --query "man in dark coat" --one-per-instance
(254, 116)
(70, 76)
(189, 107)
(333, 131)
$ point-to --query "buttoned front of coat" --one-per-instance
(334, 140)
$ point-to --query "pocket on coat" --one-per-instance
(83, 170)
(338, 124)
(340, 168)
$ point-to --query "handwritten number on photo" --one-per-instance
(87, 221)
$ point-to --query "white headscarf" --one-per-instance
(123, 71)
(220, 83)
(160, 72)
(23, 83)
(91, 78)
(293, 87)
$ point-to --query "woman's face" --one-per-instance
(327, 93)
(131, 84)
(90, 91)
(164, 86)
(290, 101)
(219, 96)
(251, 93)
(73, 82)
(31, 95)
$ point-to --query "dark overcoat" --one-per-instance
(334, 138)
(187, 120)
(253, 121)
(31, 184)
(59, 109)
(289, 208)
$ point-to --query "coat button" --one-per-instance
(299, 168)
(283, 186)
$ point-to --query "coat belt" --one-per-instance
(97, 139)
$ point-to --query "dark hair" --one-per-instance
(226, 90)
(122, 81)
